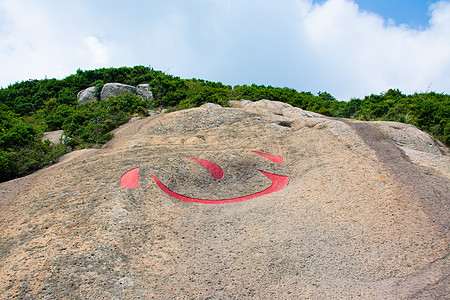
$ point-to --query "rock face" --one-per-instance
(55, 137)
(143, 91)
(365, 212)
(87, 95)
(116, 89)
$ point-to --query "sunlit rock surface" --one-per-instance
(365, 213)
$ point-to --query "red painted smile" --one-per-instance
(131, 180)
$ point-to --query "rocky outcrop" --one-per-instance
(54, 137)
(143, 91)
(86, 95)
(275, 108)
(358, 218)
(116, 89)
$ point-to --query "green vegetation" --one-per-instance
(21, 149)
(429, 112)
(29, 108)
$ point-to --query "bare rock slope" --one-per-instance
(365, 213)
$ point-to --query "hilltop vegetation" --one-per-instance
(29, 108)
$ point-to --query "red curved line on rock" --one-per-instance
(215, 170)
(130, 179)
(279, 182)
(272, 158)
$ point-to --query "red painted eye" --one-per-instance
(130, 179)
(215, 170)
(272, 158)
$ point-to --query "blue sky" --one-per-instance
(411, 12)
(347, 48)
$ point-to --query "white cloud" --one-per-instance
(365, 54)
(440, 12)
(37, 41)
(334, 46)
(97, 53)
(20, 45)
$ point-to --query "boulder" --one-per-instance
(87, 95)
(308, 207)
(239, 103)
(54, 137)
(211, 105)
(266, 106)
(143, 91)
(116, 89)
(152, 112)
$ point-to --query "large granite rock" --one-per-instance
(87, 95)
(54, 137)
(364, 215)
(116, 89)
(143, 91)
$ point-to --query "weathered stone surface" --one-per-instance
(116, 89)
(409, 136)
(152, 112)
(143, 91)
(54, 136)
(88, 94)
(239, 104)
(419, 146)
(274, 107)
(211, 105)
(358, 219)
